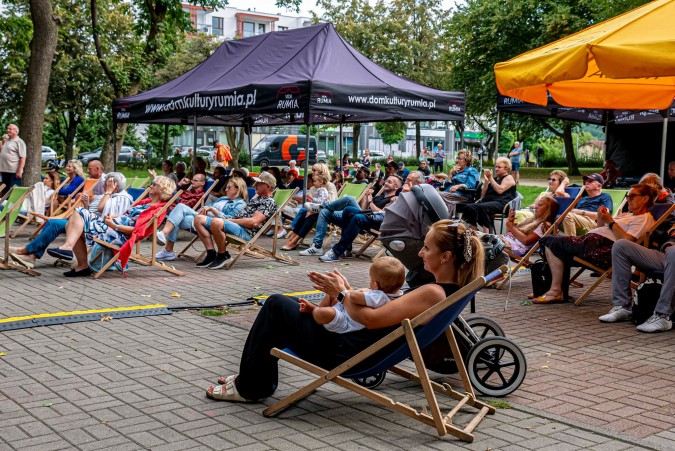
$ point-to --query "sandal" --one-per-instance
(222, 380)
(292, 248)
(549, 299)
(226, 392)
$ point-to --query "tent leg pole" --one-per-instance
(250, 149)
(194, 144)
(664, 139)
(499, 118)
(307, 154)
(114, 146)
(341, 120)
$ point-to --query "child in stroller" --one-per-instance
(387, 276)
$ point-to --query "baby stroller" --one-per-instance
(496, 365)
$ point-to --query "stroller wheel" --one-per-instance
(496, 366)
(371, 381)
(485, 327)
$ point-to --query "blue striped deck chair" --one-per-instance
(412, 335)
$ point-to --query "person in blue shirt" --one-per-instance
(463, 177)
(585, 215)
(75, 172)
(403, 172)
(514, 155)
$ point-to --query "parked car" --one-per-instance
(277, 150)
(127, 153)
(375, 154)
(48, 156)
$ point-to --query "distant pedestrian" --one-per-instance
(12, 158)
(527, 157)
(514, 155)
(540, 156)
(439, 158)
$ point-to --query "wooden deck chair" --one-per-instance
(69, 204)
(138, 182)
(618, 199)
(659, 211)
(412, 336)
(138, 194)
(208, 187)
(281, 197)
(60, 207)
(8, 216)
(565, 205)
(136, 256)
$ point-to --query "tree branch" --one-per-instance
(99, 53)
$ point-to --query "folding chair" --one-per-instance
(618, 199)
(8, 216)
(86, 187)
(565, 205)
(412, 336)
(138, 194)
(208, 187)
(281, 198)
(659, 211)
(136, 256)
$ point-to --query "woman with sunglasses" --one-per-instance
(451, 252)
(596, 246)
(557, 182)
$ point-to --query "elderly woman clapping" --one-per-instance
(83, 227)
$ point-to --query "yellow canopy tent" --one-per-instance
(627, 62)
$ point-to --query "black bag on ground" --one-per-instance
(644, 301)
(541, 277)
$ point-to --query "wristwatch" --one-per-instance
(341, 296)
(611, 224)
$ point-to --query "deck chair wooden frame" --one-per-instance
(9, 216)
(524, 260)
(136, 256)
(251, 247)
(605, 273)
(85, 187)
(202, 200)
(433, 322)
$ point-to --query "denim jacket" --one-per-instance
(469, 177)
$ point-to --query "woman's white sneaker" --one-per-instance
(616, 314)
(311, 250)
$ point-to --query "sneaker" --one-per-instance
(348, 254)
(282, 233)
(270, 232)
(314, 208)
(617, 313)
(311, 250)
(220, 261)
(656, 323)
(165, 255)
(207, 260)
(161, 238)
(329, 257)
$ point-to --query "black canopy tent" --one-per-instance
(632, 135)
(304, 76)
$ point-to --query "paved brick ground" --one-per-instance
(139, 383)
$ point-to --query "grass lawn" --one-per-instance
(529, 194)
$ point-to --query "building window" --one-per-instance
(261, 28)
(217, 25)
(283, 28)
(249, 29)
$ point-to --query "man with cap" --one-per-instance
(245, 224)
(585, 215)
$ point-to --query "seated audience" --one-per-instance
(498, 190)
(365, 159)
(306, 216)
(362, 175)
(584, 216)
(387, 276)
(424, 168)
(670, 177)
(451, 253)
(40, 199)
(115, 201)
(655, 263)
(181, 169)
(192, 192)
(122, 230)
(403, 172)
(463, 177)
(610, 173)
(664, 195)
(557, 182)
(596, 246)
(338, 179)
(75, 173)
(376, 175)
(167, 171)
(182, 217)
(244, 224)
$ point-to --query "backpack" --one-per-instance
(101, 255)
(644, 301)
(541, 277)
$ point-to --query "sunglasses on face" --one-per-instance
(552, 180)
(633, 196)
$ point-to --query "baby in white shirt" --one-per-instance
(387, 276)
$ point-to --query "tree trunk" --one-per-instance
(418, 138)
(69, 140)
(165, 143)
(356, 136)
(42, 48)
(572, 166)
(236, 142)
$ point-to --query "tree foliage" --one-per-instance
(391, 132)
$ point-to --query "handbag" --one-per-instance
(541, 277)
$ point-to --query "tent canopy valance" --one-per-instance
(309, 75)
